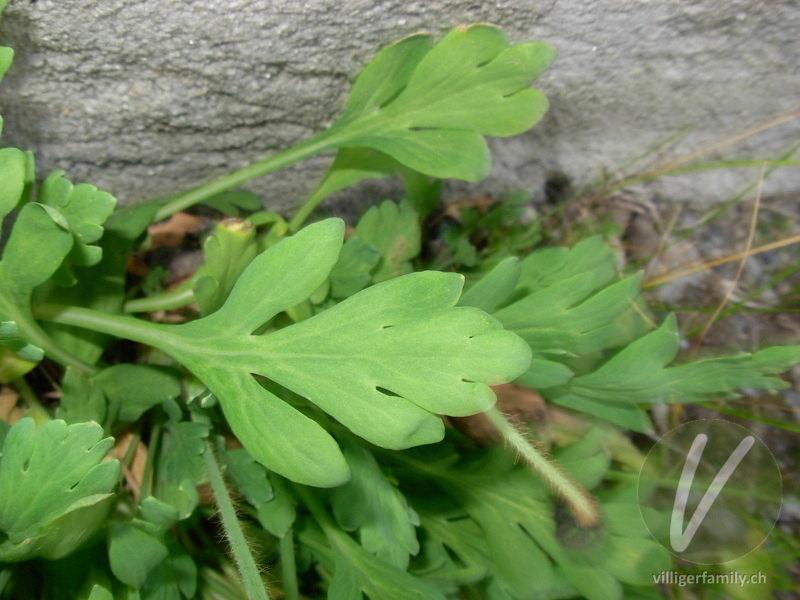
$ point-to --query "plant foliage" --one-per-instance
(312, 371)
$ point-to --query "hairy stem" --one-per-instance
(251, 578)
(578, 500)
(324, 141)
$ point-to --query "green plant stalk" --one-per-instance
(579, 502)
(168, 301)
(304, 210)
(251, 578)
(326, 140)
(152, 452)
(289, 567)
(31, 332)
(119, 326)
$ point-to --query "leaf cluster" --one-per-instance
(298, 383)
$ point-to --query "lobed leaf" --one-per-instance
(54, 487)
(640, 374)
(394, 231)
(384, 362)
(84, 208)
(180, 465)
(375, 507)
(428, 106)
(352, 271)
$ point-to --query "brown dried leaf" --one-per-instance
(518, 403)
(172, 231)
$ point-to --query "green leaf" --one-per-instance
(495, 287)
(13, 361)
(352, 272)
(13, 170)
(99, 593)
(84, 208)
(35, 249)
(6, 57)
(350, 166)
(133, 389)
(278, 515)
(180, 465)
(174, 578)
(233, 203)
(394, 231)
(249, 477)
(158, 516)
(429, 106)
(385, 362)
(375, 507)
(134, 554)
(543, 374)
(639, 374)
(454, 550)
(227, 253)
(519, 533)
(54, 487)
(101, 286)
(570, 316)
(81, 399)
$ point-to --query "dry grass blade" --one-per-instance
(748, 246)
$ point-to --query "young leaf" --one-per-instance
(356, 571)
(352, 272)
(278, 515)
(99, 287)
(54, 487)
(84, 208)
(227, 253)
(180, 465)
(429, 106)
(248, 476)
(133, 389)
(375, 507)
(394, 231)
(81, 399)
(134, 554)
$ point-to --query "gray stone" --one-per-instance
(148, 98)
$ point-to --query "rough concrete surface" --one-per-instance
(147, 98)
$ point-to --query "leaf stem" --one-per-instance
(33, 334)
(318, 143)
(145, 490)
(253, 584)
(578, 500)
(304, 210)
(167, 301)
(119, 326)
(289, 567)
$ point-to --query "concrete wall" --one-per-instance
(147, 98)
